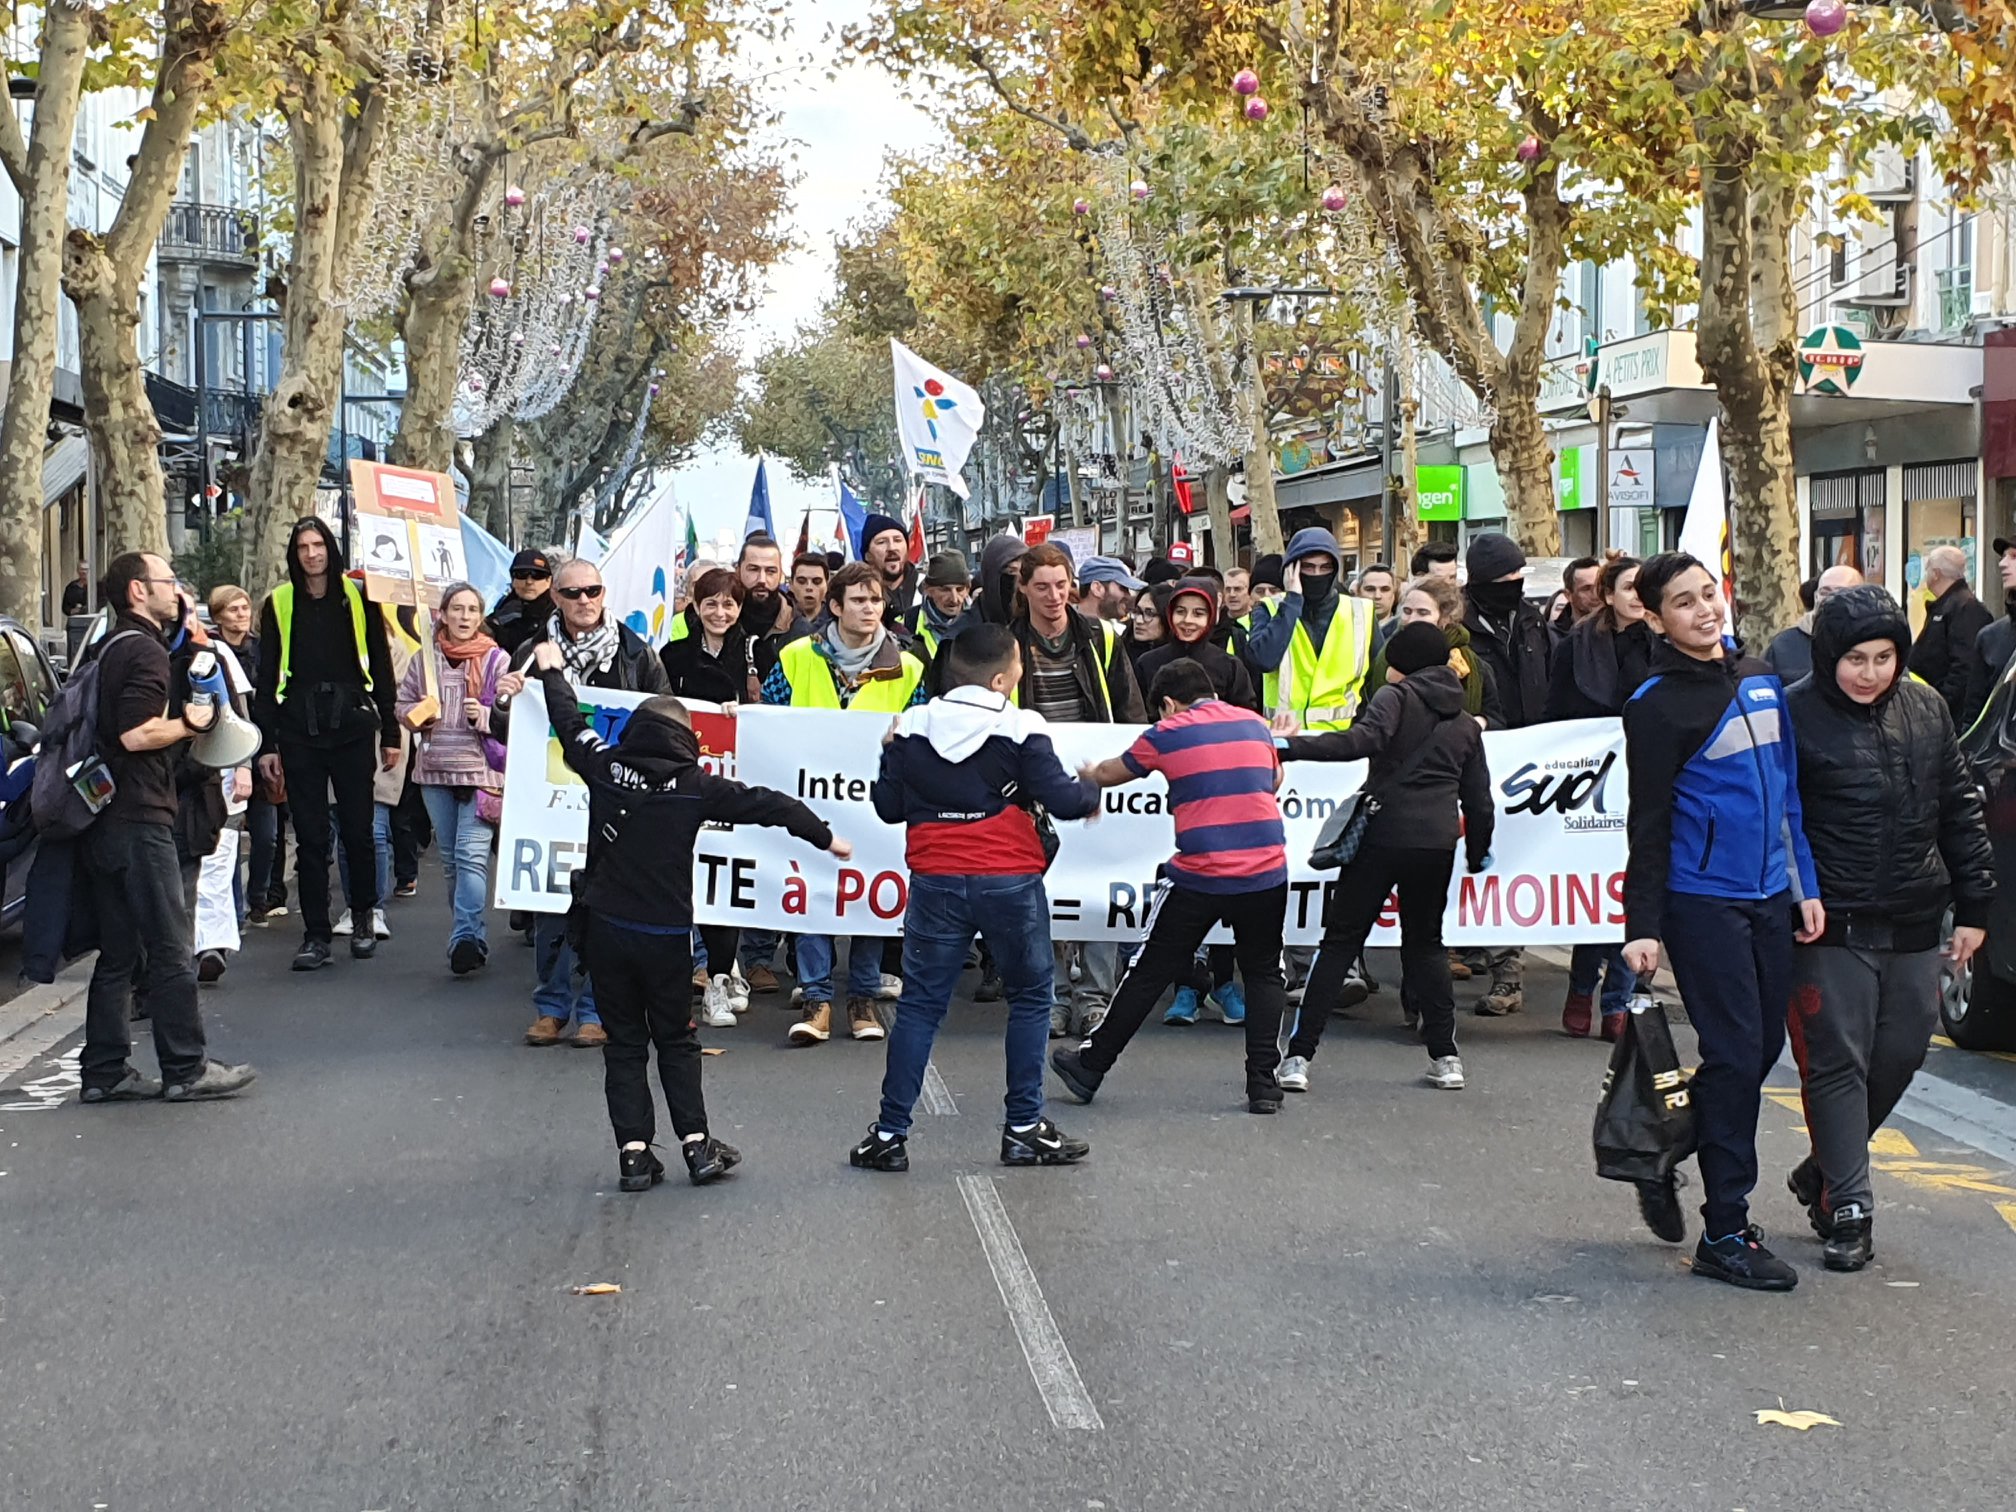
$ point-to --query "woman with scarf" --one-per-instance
(457, 767)
(1196, 626)
(1439, 602)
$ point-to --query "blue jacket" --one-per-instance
(1714, 788)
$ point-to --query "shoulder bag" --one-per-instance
(1344, 831)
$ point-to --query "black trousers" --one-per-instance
(412, 832)
(347, 772)
(720, 941)
(136, 888)
(644, 992)
(1422, 877)
(1178, 920)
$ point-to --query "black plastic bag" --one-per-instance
(1645, 1117)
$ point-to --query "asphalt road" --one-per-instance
(349, 1290)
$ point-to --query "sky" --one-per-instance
(838, 131)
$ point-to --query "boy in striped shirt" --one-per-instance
(1230, 867)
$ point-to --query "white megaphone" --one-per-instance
(230, 741)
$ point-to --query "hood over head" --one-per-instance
(657, 747)
(1439, 688)
(1313, 541)
(997, 596)
(1193, 587)
(1846, 620)
(965, 719)
(316, 524)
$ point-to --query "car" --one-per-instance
(28, 682)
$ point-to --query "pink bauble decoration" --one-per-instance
(1103, 373)
(1529, 150)
(1826, 18)
(602, 270)
(1109, 293)
(1335, 199)
(1139, 189)
(591, 292)
(1246, 82)
(581, 235)
(517, 338)
(556, 349)
(1084, 341)
(615, 257)
(1081, 207)
(654, 391)
(1256, 109)
(514, 196)
(475, 385)
(500, 288)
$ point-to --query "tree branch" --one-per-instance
(14, 150)
(1074, 136)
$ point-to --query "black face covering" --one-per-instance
(1499, 599)
(1318, 586)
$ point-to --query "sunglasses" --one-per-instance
(591, 591)
(534, 576)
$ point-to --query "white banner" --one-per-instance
(1557, 858)
(937, 416)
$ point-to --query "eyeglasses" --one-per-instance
(587, 591)
(161, 582)
(1147, 613)
(535, 575)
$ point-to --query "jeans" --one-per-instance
(564, 991)
(313, 770)
(1178, 920)
(816, 955)
(464, 841)
(648, 995)
(1732, 961)
(758, 948)
(136, 885)
(381, 853)
(1422, 877)
(1012, 914)
(1591, 962)
(262, 832)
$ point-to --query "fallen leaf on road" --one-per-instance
(598, 1289)
(712, 1050)
(1800, 1420)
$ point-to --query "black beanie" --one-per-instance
(1491, 556)
(1416, 645)
(1161, 570)
(1267, 572)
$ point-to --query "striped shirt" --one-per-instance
(1219, 762)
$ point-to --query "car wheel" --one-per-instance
(1977, 1009)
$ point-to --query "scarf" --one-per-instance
(585, 657)
(476, 647)
(849, 662)
(1593, 650)
(938, 621)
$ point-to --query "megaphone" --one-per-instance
(230, 741)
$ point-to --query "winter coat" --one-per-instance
(1985, 664)
(1596, 671)
(1229, 677)
(634, 669)
(1517, 654)
(1108, 682)
(326, 703)
(1790, 653)
(1944, 649)
(1892, 814)
(515, 621)
(692, 671)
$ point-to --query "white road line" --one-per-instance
(936, 1096)
(41, 1036)
(1050, 1362)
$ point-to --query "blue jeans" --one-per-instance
(381, 840)
(815, 966)
(564, 991)
(1590, 962)
(464, 843)
(1012, 914)
(759, 948)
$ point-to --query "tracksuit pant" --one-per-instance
(644, 988)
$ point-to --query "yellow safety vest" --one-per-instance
(1245, 622)
(1112, 639)
(681, 628)
(283, 616)
(1323, 691)
(928, 639)
(812, 686)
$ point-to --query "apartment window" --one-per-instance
(1592, 300)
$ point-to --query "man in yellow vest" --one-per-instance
(854, 663)
(1315, 647)
(325, 689)
(943, 611)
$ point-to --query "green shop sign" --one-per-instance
(1568, 478)
(1439, 492)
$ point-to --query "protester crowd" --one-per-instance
(1800, 825)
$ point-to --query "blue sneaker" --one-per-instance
(1231, 1001)
(1184, 1009)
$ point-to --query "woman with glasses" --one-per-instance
(1145, 626)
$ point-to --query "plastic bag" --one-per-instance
(216, 906)
(1645, 1117)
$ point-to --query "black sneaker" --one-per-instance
(210, 966)
(216, 1080)
(363, 945)
(466, 956)
(1659, 1206)
(1741, 1260)
(1081, 1081)
(709, 1159)
(1850, 1242)
(1807, 1184)
(132, 1087)
(312, 956)
(1046, 1144)
(1263, 1099)
(410, 888)
(990, 989)
(641, 1170)
(1355, 989)
(880, 1153)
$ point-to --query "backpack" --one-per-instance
(72, 783)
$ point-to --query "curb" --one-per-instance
(43, 1016)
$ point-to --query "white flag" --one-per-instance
(1704, 530)
(937, 416)
(640, 570)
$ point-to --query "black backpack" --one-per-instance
(72, 784)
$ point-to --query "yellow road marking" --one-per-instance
(2008, 1212)
(1891, 1143)
(2002, 1055)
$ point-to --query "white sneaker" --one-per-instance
(1294, 1074)
(378, 925)
(738, 990)
(342, 926)
(715, 1011)
(1446, 1072)
(891, 988)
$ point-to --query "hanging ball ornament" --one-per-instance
(1256, 109)
(1529, 150)
(615, 257)
(556, 349)
(1103, 373)
(581, 235)
(517, 338)
(1246, 82)
(476, 383)
(1081, 207)
(1109, 293)
(1826, 18)
(654, 391)
(514, 196)
(1335, 199)
(602, 270)
(1139, 189)
(1084, 342)
(591, 293)
(500, 288)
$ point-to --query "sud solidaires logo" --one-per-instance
(1578, 790)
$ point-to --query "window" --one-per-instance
(23, 695)
(1846, 510)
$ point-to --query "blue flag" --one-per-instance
(853, 515)
(759, 506)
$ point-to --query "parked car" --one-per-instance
(28, 682)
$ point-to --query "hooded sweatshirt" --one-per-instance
(995, 601)
(1314, 607)
(326, 703)
(961, 772)
(1229, 677)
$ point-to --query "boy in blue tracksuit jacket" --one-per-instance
(1720, 872)
(960, 773)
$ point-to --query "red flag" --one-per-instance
(1181, 482)
(917, 529)
(804, 536)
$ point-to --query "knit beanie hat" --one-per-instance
(1491, 556)
(1417, 645)
(1267, 572)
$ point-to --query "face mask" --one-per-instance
(1318, 586)
(1499, 598)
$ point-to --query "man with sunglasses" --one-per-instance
(597, 650)
(522, 613)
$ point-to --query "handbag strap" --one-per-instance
(1395, 778)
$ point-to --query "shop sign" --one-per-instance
(1439, 491)
(1830, 360)
(1631, 474)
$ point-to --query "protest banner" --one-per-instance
(409, 533)
(1556, 876)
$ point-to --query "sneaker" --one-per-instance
(1446, 1072)
(1085, 1020)
(590, 1036)
(363, 947)
(259, 915)
(1079, 1079)
(738, 990)
(709, 1159)
(276, 910)
(216, 1080)
(1230, 1000)
(699, 978)
(1659, 1206)
(1504, 998)
(1356, 988)
(132, 1087)
(861, 1020)
(640, 1170)
(1851, 1245)
(1060, 1021)
(379, 928)
(1741, 1260)
(407, 889)
(210, 966)
(312, 956)
(1577, 1014)
(1184, 1009)
(815, 1024)
(1263, 1097)
(1806, 1183)
(762, 981)
(881, 1152)
(990, 989)
(1294, 1074)
(545, 1030)
(342, 926)
(1045, 1144)
(889, 988)
(465, 956)
(716, 1012)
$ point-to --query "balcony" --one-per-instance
(1956, 299)
(214, 234)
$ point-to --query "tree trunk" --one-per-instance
(45, 206)
(490, 479)
(118, 416)
(1218, 504)
(1524, 457)
(436, 315)
(1259, 467)
(1407, 532)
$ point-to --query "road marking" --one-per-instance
(936, 1096)
(38, 1038)
(1946, 1044)
(1892, 1144)
(2008, 1212)
(1056, 1373)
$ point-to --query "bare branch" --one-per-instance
(14, 149)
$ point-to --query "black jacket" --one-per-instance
(515, 621)
(1985, 664)
(1421, 812)
(634, 669)
(1596, 671)
(1790, 654)
(1228, 674)
(691, 671)
(1943, 653)
(769, 635)
(1517, 653)
(648, 797)
(1108, 683)
(1892, 815)
(327, 703)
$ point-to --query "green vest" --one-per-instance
(283, 616)
(1111, 639)
(682, 628)
(1324, 691)
(812, 686)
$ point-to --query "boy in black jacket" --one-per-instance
(648, 797)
